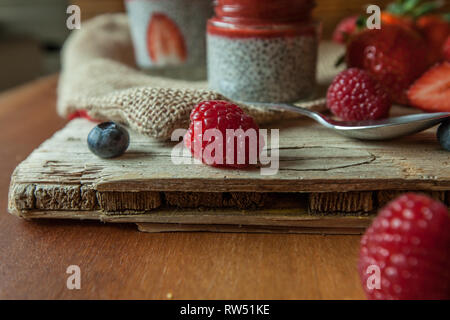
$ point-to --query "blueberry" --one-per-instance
(108, 140)
(443, 135)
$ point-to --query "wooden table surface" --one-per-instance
(118, 262)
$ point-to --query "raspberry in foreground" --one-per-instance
(409, 243)
(222, 115)
(354, 95)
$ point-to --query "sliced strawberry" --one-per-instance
(165, 42)
(431, 92)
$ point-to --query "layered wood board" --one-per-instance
(326, 183)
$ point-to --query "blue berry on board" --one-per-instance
(443, 135)
(108, 140)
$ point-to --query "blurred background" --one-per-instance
(33, 31)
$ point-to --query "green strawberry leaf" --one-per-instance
(410, 5)
(446, 17)
(361, 22)
(395, 8)
(414, 8)
(426, 8)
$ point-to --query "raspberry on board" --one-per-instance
(355, 95)
(222, 135)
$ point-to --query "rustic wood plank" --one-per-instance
(312, 159)
(320, 173)
(172, 227)
(285, 220)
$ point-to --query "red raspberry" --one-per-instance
(409, 242)
(222, 115)
(355, 95)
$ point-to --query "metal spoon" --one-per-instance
(369, 129)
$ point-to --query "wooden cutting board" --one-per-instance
(326, 183)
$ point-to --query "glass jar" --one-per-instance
(263, 50)
(169, 36)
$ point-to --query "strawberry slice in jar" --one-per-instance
(165, 42)
(169, 36)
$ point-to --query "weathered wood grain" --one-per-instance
(312, 159)
(134, 202)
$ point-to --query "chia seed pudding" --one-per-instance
(263, 58)
(169, 36)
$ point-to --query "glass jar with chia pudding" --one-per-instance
(169, 36)
(263, 50)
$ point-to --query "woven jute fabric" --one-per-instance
(99, 75)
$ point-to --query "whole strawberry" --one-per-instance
(408, 243)
(221, 134)
(355, 95)
(388, 18)
(393, 55)
(435, 30)
(446, 50)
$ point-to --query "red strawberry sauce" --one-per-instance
(263, 18)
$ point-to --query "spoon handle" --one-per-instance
(323, 120)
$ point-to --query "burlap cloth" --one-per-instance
(99, 75)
